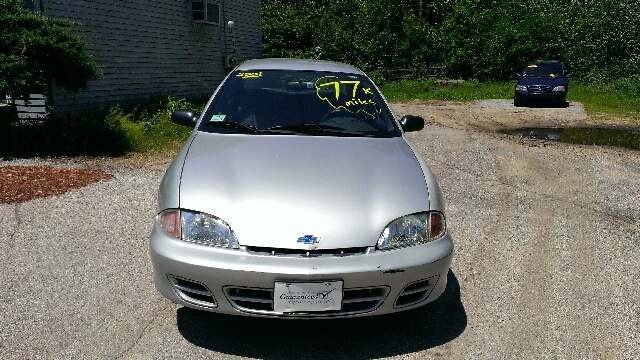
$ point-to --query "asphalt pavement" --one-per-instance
(546, 267)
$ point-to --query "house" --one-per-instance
(146, 48)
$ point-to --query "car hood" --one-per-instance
(274, 189)
(545, 81)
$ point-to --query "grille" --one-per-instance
(260, 301)
(193, 292)
(415, 292)
(539, 89)
(254, 250)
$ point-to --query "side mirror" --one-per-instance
(569, 76)
(184, 118)
(412, 123)
(518, 76)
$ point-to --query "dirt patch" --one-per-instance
(24, 183)
(497, 114)
(146, 161)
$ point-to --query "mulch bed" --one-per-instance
(24, 183)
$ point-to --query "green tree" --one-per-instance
(367, 33)
(36, 51)
(599, 40)
(287, 28)
(605, 39)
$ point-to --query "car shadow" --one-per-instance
(357, 338)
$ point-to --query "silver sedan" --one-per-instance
(297, 195)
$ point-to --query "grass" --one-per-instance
(149, 127)
(609, 100)
(432, 89)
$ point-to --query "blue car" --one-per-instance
(542, 82)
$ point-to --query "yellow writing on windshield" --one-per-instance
(337, 85)
(359, 102)
(249, 75)
(347, 95)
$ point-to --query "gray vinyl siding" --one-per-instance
(148, 48)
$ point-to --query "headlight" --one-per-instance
(560, 88)
(521, 88)
(412, 230)
(197, 228)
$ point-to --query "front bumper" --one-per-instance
(554, 96)
(242, 281)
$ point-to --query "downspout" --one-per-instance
(224, 21)
(224, 27)
(229, 59)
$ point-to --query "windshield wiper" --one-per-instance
(316, 129)
(305, 127)
(231, 125)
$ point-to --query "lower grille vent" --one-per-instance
(193, 292)
(354, 301)
(250, 299)
(415, 292)
(363, 300)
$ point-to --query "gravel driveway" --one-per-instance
(546, 265)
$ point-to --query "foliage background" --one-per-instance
(105, 132)
(487, 40)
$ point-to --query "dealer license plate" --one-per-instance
(313, 296)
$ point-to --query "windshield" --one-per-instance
(299, 102)
(543, 70)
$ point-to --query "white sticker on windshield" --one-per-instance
(218, 118)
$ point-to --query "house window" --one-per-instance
(213, 13)
(205, 11)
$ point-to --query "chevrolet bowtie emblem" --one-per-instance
(309, 239)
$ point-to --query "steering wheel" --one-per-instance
(348, 121)
(337, 113)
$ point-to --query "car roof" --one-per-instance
(297, 64)
(547, 62)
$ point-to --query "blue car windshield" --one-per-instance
(543, 70)
(299, 103)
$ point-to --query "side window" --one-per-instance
(204, 11)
